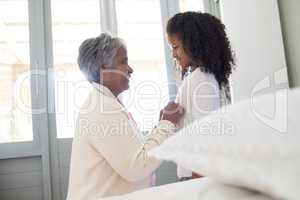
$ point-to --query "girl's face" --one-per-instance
(178, 52)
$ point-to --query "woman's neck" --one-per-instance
(113, 90)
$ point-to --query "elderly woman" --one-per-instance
(109, 154)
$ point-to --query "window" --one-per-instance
(70, 27)
(139, 24)
(15, 95)
(191, 5)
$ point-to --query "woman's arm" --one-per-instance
(124, 148)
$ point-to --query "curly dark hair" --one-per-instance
(205, 41)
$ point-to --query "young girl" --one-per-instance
(201, 48)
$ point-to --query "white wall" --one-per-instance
(255, 32)
(290, 15)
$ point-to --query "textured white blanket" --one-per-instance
(197, 189)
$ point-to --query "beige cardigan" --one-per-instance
(109, 154)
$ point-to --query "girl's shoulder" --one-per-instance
(196, 78)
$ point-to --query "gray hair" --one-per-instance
(96, 52)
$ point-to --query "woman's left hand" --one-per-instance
(195, 175)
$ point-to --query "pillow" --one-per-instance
(241, 145)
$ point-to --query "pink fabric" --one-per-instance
(153, 180)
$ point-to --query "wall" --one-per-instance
(254, 29)
(21, 178)
(289, 16)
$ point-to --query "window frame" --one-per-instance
(38, 88)
(39, 146)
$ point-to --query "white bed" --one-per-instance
(197, 189)
(257, 154)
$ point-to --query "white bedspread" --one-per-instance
(197, 189)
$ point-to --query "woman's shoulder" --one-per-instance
(101, 105)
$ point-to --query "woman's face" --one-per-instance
(117, 77)
(178, 52)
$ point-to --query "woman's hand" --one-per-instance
(172, 112)
(194, 176)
